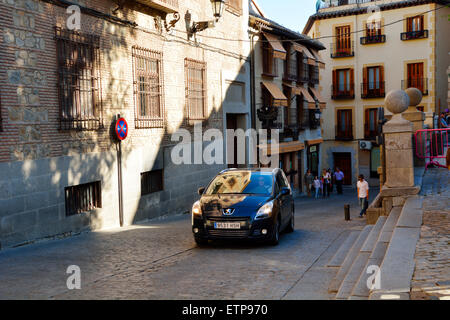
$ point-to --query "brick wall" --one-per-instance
(35, 151)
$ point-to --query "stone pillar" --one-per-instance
(398, 143)
(416, 117)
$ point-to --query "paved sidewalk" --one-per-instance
(431, 278)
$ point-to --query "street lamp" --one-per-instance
(217, 6)
(317, 114)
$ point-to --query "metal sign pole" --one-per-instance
(119, 169)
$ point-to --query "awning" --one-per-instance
(275, 43)
(308, 98)
(322, 102)
(302, 49)
(284, 147)
(279, 99)
(314, 141)
(295, 90)
(318, 58)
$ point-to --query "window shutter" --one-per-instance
(352, 82)
(381, 79)
(366, 123)
(335, 83)
(365, 81)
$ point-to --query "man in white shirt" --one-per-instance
(363, 194)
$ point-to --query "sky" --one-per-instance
(292, 14)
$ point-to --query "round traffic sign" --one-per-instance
(121, 129)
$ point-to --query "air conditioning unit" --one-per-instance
(365, 145)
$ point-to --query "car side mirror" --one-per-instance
(201, 190)
(285, 191)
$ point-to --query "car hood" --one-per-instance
(214, 203)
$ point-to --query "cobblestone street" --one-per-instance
(159, 260)
(432, 273)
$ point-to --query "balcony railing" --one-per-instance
(169, 6)
(373, 39)
(372, 90)
(419, 83)
(411, 35)
(338, 94)
(342, 50)
(303, 73)
(345, 135)
(370, 134)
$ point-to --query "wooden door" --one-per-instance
(343, 161)
(415, 75)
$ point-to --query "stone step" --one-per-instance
(353, 275)
(361, 290)
(389, 225)
(343, 250)
(372, 238)
(411, 215)
(349, 259)
(398, 265)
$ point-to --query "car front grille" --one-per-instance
(232, 234)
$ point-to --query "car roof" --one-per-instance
(270, 170)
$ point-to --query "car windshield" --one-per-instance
(241, 182)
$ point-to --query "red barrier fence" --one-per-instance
(432, 144)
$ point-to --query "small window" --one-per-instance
(415, 24)
(83, 198)
(151, 181)
(195, 77)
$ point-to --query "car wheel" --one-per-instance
(201, 241)
(275, 234)
(291, 225)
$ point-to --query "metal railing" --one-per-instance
(419, 83)
(373, 39)
(342, 49)
(372, 90)
(411, 35)
(348, 93)
(432, 145)
(345, 135)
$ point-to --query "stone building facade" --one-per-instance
(286, 73)
(61, 91)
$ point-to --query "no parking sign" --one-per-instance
(121, 129)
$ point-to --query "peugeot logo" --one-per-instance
(227, 212)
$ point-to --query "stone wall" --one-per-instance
(38, 160)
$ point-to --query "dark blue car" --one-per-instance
(244, 204)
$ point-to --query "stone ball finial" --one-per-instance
(396, 101)
(415, 96)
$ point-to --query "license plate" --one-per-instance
(227, 225)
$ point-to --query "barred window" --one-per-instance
(83, 198)
(151, 181)
(195, 77)
(148, 88)
(79, 80)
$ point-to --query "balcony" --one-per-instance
(373, 39)
(303, 73)
(372, 90)
(370, 134)
(411, 35)
(313, 75)
(344, 135)
(168, 6)
(419, 83)
(338, 94)
(341, 50)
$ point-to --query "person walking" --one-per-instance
(443, 123)
(362, 188)
(309, 178)
(316, 186)
(326, 183)
(339, 175)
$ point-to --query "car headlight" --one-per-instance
(196, 210)
(265, 211)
